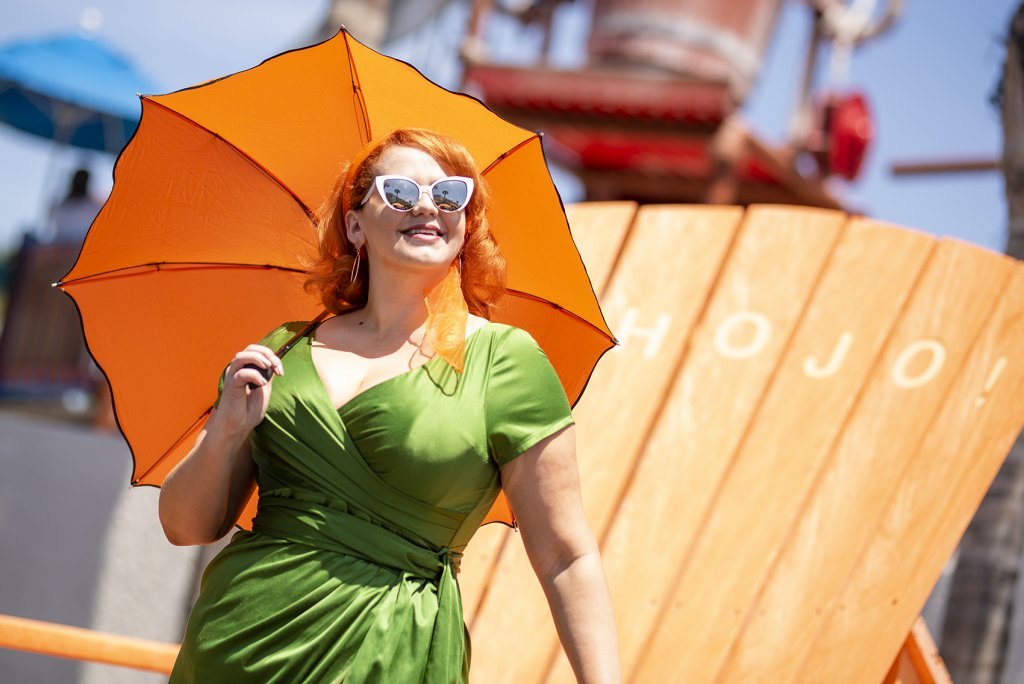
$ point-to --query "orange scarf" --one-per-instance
(447, 314)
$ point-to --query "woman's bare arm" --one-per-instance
(203, 495)
(543, 489)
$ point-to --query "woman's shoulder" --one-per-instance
(498, 332)
(282, 333)
(506, 342)
(479, 324)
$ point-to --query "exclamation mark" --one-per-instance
(993, 376)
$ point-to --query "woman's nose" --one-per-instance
(424, 205)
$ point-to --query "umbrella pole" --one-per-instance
(113, 133)
(45, 230)
(64, 122)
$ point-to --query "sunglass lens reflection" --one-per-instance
(450, 195)
(400, 194)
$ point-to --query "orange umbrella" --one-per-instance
(199, 249)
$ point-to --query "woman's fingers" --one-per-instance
(255, 365)
(267, 373)
(254, 376)
(271, 359)
(247, 390)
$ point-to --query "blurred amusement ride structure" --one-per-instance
(653, 114)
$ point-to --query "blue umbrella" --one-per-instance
(71, 89)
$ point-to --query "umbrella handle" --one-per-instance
(285, 348)
(265, 372)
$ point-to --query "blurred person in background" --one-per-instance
(70, 219)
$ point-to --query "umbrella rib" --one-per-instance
(148, 268)
(281, 184)
(558, 307)
(507, 153)
(504, 155)
(357, 90)
(181, 438)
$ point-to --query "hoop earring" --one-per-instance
(355, 267)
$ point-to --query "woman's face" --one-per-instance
(423, 238)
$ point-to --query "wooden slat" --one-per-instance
(653, 302)
(817, 382)
(652, 323)
(477, 570)
(925, 655)
(865, 468)
(599, 230)
(902, 671)
(771, 269)
(82, 644)
(943, 486)
(918, 662)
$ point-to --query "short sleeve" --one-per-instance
(524, 402)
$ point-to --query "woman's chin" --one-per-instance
(422, 260)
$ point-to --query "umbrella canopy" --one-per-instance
(200, 248)
(71, 89)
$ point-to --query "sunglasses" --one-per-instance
(449, 194)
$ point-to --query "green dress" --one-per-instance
(349, 571)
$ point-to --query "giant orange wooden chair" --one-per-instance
(805, 412)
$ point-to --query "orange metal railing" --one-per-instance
(47, 638)
(917, 663)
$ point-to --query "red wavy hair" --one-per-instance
(483, 266)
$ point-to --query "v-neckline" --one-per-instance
(308, 348)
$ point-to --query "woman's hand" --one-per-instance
(241, 407)
(204, 494)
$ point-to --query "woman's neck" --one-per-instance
(395, 305)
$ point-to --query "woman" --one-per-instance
(379, 446)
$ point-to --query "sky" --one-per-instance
(928, 81)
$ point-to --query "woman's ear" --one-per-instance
(353, 231)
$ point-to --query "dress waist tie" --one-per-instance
(329, 524)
